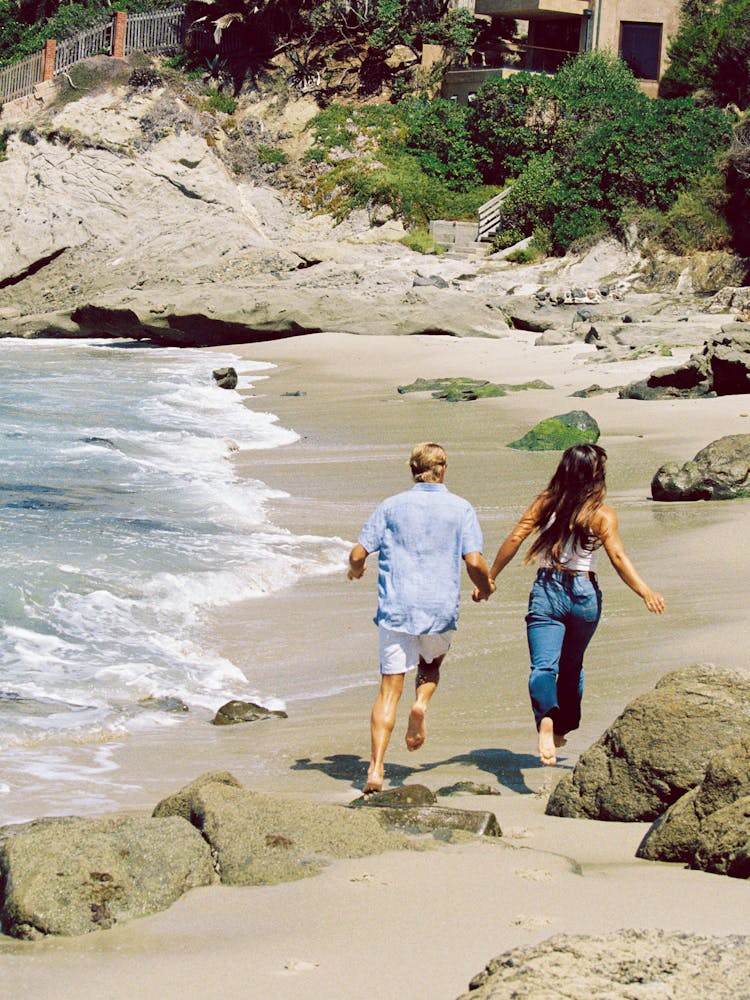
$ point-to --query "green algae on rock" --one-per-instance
(456, 390)
(559, 432)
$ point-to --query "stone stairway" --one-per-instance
(460, 238)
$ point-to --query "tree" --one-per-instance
(711, 52)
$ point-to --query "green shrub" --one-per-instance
(315, 155)
(438, 135)
(267, 154)
(511, 122)
(540, 246)
(412, 156)
(697, 220)
(646, 157)
(527, 206)
(421, 241)
(222, 102)
(711, 50)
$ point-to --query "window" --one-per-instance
(640, 48)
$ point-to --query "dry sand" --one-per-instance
(422, 924)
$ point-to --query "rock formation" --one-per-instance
(619, 966)
(560, 432)
(119, 219)
(709, 827)
(645, 761)
(720, 471)
(721, 369)
(71, 875)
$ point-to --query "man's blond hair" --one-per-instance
(427, 462)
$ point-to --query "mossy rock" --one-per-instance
(560, 432)
(456, 390)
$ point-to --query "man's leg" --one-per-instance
(428, 677)
(382, 721)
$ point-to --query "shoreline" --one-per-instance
(332, 935)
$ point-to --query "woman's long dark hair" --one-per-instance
(575, 493)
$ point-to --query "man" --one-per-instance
(421, 537)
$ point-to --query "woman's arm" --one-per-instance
(605, 527)
(512, 543)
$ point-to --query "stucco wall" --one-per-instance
(608, 14)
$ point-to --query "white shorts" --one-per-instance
(400, 651)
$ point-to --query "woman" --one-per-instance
(572, 523)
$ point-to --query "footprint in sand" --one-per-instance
(530, 923)
(534, 874)
(295, 965)
(517, 833)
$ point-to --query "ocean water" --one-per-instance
(123, 523)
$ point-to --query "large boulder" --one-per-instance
(720, 471)
(722, 368)
(691, 380)
(560, 432)
(658, 748)
(234, 712)
(71, 875)
(709, 827)
(260, 840)
(619, 966)
(724, 846)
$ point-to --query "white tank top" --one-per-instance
(580, 558)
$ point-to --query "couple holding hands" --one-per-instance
(422, 536)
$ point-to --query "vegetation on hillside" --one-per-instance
(710, 60)
(25, 25)
(585, 151)
(710, 53)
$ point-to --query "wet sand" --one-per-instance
(410, 924)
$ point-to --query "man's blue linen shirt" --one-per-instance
(421, 536)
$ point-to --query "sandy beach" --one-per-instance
(422, 923)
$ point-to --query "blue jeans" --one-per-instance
(564, 610)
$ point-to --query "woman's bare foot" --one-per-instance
(547, 753)
(374, 781)
(415, 731)
(560, 740)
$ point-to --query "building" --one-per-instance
(637, 30)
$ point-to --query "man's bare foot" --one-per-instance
(415, 731)
(374, 781)
(560, 740)
(547, 753)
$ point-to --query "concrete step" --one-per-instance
(467, 251)
(447, 232)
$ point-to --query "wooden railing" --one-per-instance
(490, 214)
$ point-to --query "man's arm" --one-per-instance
(357, 558)
(479, 575)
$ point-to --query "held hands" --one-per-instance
(478, 594)
(357, 558)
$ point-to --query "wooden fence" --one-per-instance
(154, 31)
(94, 42)
(120, 36)
(18, 79)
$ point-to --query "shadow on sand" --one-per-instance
(505, 767)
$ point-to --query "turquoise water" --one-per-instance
(123, 522)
